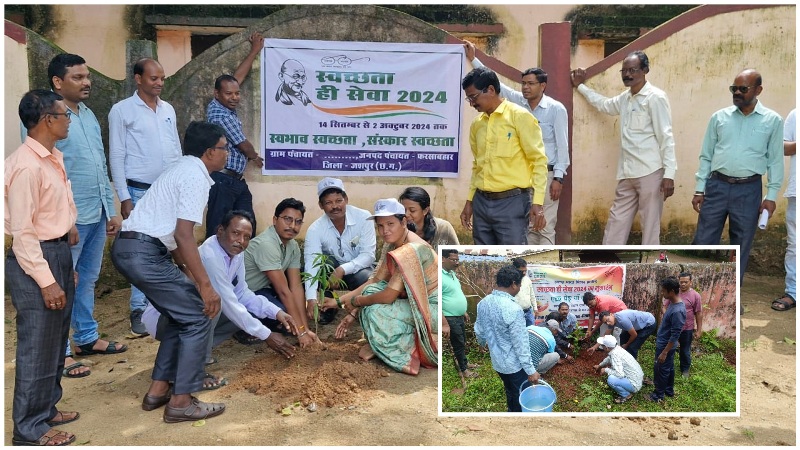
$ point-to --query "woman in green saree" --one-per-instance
(398, 306)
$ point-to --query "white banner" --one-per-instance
(360, 108)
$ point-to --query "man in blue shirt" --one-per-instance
(667, 340)
(500, 325)
(742, 142)
(636, 327)
(230, 190)
(567, 320)
(85, 162)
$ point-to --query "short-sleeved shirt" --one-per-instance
(629, 318)
(454, 302)
(607, 303)
(267, 252)
(694, 305)
(218, 114)
(181, 192)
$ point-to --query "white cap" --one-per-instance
(328, 183)
(553, 323)
(608, 340)
(387, 207)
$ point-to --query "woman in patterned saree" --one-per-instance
(398, 306)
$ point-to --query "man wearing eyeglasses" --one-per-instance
(230, 190)
(346, 237)
(647, 165)
(272, 267)
(741, 143)
(552, 117)
(293, 78)
(40, 219)
(509, 160)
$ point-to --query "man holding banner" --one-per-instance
(509, 160)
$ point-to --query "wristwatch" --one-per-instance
(559, 179)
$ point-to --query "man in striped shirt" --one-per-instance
(624, 372)
(543, 348)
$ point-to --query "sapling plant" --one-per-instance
(322, 269)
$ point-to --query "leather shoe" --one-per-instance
(196, 410)
(150, 402)
(326, 317)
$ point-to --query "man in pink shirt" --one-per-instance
(597, 304)
(694, 315)
(40, 217)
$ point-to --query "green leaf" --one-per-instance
(286, 411)
(199, 423)
(788, 341)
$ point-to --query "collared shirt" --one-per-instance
(181, 192)
(454, 302)
(790, 135)
(540, 342)
(354, 248)
(238, 302)
(693, 304)
(142, 142)
(38, 205)
(267, 252)
(552, 117)
(508, 152)
(607, 303)
(219, 114)
(501, 325)
(741, 146)
(622, 364)
(671, 324)
(630, 318)
(85, 161)
(568, 324)
(645, 128)
(525, 298)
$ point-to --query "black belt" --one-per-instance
(735, 180)
(231, 173)
(505, 194)
(63, 238)
(138, 185)
(550, 167)
(140, 237)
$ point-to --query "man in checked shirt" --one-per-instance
(230, 190)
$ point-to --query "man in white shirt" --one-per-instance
(143, 142)
(345, 235)
(525, 298)
(161, 228)
(223, 258)
(647, 165)
(552, 117)
(789, 299)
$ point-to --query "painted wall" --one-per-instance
(14, 87)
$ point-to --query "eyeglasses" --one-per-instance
(291, 220)
(473, 97)
(631, 71)
(742, 89)
(67, 113)
(220, 148)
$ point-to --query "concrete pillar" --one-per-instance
(134, 51)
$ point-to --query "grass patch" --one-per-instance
(710, 388)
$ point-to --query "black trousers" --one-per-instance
(458, 339)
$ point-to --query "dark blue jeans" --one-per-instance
(664, 374)
(512, 382)
(227, 194)
(685, 355)
(737, 203)
(641, 336)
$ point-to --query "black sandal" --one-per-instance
(784, 302)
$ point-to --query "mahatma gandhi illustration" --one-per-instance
(293, 78)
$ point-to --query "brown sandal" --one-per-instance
(196, 410)
(45, 441)
(63, 417)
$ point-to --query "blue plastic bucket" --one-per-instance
(537, 398)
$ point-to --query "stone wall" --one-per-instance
(716, 284)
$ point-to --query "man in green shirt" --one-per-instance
(741, 143)
(454, 310)
(272, 266)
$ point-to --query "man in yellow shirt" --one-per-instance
(509, 160)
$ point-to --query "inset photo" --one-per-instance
(589, 330)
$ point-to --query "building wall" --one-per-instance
(14, 87)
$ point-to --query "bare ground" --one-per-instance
(368, 404)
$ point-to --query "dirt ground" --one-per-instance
(368, 404)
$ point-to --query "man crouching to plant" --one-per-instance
(624, 372)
